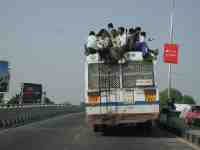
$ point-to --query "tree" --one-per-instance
(176, 94)
(48, 101)
(67, 103)
(15, 99)
(187, 99)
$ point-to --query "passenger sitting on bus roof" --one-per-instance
(104, 39)
(142, 37)
(130, 39)
(91, 45)
(115, 38)
(141, 45)
(115, 50)
(110, 27)
(122, 37)
(138, 31)
(104, 44)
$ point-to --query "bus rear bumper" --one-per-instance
(115, 119)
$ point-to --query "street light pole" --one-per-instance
(171, 40)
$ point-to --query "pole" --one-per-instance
(171, 40)
(21, 94)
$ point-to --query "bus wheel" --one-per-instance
(149, 125)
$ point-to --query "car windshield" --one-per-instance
(196, 109)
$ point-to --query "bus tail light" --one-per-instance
(150, 95)
(93, 99)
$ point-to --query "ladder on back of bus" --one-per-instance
(106, 80)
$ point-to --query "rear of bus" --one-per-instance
(121, 93)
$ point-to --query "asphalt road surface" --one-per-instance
(70, 132)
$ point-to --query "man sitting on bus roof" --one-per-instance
(110, 28)
(141, 45)
(91, 45)
(122, 36)
(115, 50)
(104, 44)
(130, 39)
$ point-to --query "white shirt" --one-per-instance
(141, 38)
(92, 42)
(122, 39)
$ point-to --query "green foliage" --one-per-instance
(67, 103)
(48, 101)
(14, 100)
(187, 99)
(176, 94)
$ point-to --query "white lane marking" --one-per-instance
(188, 143)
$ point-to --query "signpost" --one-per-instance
(171, 50)
(4, 76)
(31, 93)
(170, 53)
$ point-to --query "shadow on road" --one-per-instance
(137, 131)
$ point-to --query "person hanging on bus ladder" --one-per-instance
(91, 45)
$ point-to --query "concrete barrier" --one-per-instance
(193, 136)
(11, 116)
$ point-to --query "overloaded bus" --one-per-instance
(120, 93)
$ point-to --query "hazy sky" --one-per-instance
(43, 40)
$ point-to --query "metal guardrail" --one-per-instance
(16, 115)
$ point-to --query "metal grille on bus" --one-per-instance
(109, 76)
(103, 76)
(133, 71)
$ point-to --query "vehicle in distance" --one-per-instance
(193, 114)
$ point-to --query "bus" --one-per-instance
(120, 93)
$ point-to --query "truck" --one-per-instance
(121, 93)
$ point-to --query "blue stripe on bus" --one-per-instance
(123, 103)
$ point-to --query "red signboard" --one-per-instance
(170, 53)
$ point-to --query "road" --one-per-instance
(70, 132)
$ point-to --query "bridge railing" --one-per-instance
(15, 115)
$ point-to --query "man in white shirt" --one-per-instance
(122, 36)
(91, 44)
(92, 40)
